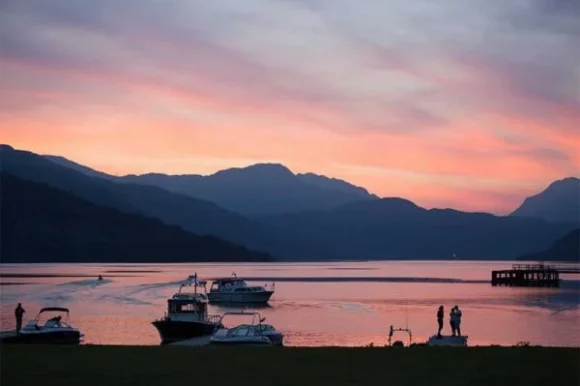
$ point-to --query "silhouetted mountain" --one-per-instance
(395, 228)
(78, 167)
(390, 228)
(43, 224)
(559, 202)
(194, 215)
(254, 190)
(566, 248)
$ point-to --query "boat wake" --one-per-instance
(87, 283)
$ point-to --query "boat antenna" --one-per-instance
(406, 315)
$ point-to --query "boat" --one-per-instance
(100, 278)
(234, 290)
(399, 343)
(256, 333)
(433, 341)
(447, 341)
(187, 316)
(40, 330)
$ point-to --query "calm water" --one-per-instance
(346, 304)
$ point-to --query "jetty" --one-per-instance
(530, 275)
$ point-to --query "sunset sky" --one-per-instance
(467, 104)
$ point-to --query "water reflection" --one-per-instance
(348, 304)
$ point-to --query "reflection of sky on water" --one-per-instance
(318, 311)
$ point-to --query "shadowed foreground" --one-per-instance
(107, 365)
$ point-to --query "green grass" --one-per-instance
(109, 365)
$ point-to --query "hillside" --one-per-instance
(560, 201)
(194, 215)
(566, 248)
(44, 224)
(390, 228)
(395, 228)
(254, 190)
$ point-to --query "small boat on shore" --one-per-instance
(232, 290)
(255, 333)
(186, 316)
(53, 330)
(399, 343)
(433, 341)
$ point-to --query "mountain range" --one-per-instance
(268, 208)
(44, 224)
(255, 190)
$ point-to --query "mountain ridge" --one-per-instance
(559, 202)
(387, 228)
(45, 224)
(194, 215)
(263, 188)
(566, 248)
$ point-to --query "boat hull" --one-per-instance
(277, 339)
(240, 297)
(175, 331)
(53, 337)
(242, 341)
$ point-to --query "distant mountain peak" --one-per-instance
(62, 161)
(560, 201)
(259, 168)
(564, 182)
(5, 147)
(398, 201)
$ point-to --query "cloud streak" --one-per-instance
(443, 91)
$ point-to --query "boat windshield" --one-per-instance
(186, 307)
(227, 283)
(52, 317)
(231, 319)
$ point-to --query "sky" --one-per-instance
(466, 104)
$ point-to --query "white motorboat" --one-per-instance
(236, 290)
(187, 315)
(447, 341)
(255, 333)
(54, 330)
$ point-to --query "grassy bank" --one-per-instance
(108, 365)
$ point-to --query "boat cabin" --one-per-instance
(233, 284)
(187, 307)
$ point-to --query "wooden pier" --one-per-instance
(527, 275)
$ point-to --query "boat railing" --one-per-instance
(270, 286)
(214, 319)
(533, 267)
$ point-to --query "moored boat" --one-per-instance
(40, 330)
(187, 316)
(232, 290)
(255, 333)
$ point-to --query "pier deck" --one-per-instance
(527, 275)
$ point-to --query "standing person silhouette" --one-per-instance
(440, 315)
(18, 313)
(458, 314)
(453, 321)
